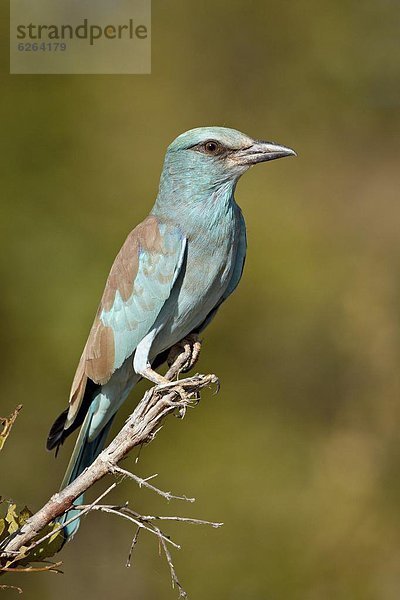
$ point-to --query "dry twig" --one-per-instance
(140, 428)
(7, 423)
(145, 483)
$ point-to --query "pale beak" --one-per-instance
(261, 152)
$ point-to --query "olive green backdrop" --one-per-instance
(299, 454)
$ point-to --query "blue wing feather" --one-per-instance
(132, 319)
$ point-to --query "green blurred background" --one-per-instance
(299, 454)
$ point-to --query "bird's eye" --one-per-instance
(212, 147)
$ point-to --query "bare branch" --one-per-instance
(140, 428)
(130, 516)
(125, 510)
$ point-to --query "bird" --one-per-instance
(172, 274)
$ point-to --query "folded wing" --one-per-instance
(139, 283)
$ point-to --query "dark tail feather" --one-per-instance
(84, 454)
(58, 433)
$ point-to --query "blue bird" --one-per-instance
(167, 282)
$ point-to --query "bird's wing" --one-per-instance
(139, 283)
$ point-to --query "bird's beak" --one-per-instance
(261, 152)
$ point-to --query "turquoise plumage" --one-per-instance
(170, 277)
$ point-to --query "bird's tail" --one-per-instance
(85, 452)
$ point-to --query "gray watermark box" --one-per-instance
(80, 36)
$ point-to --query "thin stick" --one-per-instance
(182, 520)
(174, 577)
(11, 587)
(145, 483)
(51, 568)
(133, 544)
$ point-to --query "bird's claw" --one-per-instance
(186, 353)
(186, 389)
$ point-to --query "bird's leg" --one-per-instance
(154, 377)
(184, 355)
(165, 386)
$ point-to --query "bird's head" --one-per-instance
(206, 158)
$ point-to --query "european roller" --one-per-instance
(167, 282)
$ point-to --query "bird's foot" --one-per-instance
(184, 355)
(164, 387)
(187, 389)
